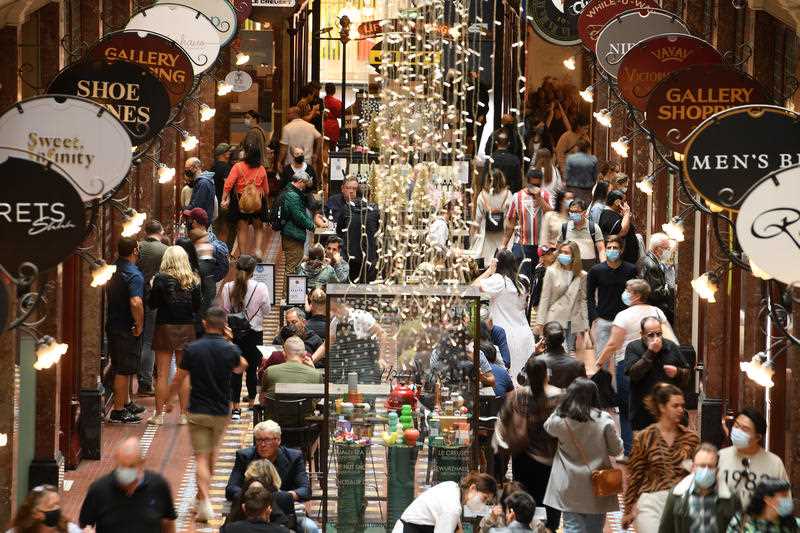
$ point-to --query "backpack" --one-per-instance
(221, 258)
(239, 322)
(276, 220)
(250, 199)
(564, 231)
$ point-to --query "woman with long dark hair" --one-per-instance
(508, 298)
(40, 512)
(770, 510)
(250, 300)
(248, 203)
(533, 403)
(587, 436)
(493, 203)
(599, 195)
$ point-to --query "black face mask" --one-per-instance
(189, 174)
(52, 518)
(299, 159)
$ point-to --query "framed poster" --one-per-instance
(265, 273)
(296, 289)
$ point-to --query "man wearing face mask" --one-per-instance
(298, 132)
(616, 219)
(298, 164)
(659, 274)
(130, 498)
(587, 235)
(699, 504)
(649, 360)
(744, 464)
(204, 193)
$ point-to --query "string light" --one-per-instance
(569, 63)
(189, 143)
(674, 229)
(587, 94)
(207, 113)
(706, 286)
(242, 59)
(759, 370)
(603, 117)
(620, 146)
(48, 352)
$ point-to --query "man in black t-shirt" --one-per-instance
(130, 499)
(616, 220)
(209, 362)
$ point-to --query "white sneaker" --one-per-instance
(156, 420)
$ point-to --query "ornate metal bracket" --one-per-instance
(27, 301)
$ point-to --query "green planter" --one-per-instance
(401, 462)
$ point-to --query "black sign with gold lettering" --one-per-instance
(729, 153)
(556, 21)
(128, 90)
(161, 55)
(41, 214)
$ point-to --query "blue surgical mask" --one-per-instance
(612, 255)
(704, 477)
(785, 506)
(125, 475)
(575, 217)
(564, 259)
(740, 438)
(626, 298)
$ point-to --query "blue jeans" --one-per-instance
(583, 523)
(570, 338)
(148, 357)
(624, 397)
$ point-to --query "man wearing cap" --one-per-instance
(196, 218)
(203, 191)
(221, 168)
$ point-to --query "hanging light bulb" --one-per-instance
(207, 113)
(242, 59)
(133, 223)
(48, 352)
(674, 229)
(759, 370)
(758, 272)
(603, 117)
(706, 286)
(587, 94)
(678, 156)
(224, 88)
(620, 146)
(165, 173)
(646, 185)
(189, 143)
(102, 272)
(569, 63)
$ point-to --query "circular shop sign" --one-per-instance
(41, 214)
(767, 225)
(655, 58)
(221, 14)
(598, 12)
(83, 138)
(556, 21)
(243, 9)
(733, 150)
(626, 30)
(187, 26)
(159, 54)
(684, 99)
(129, 91)
(239, 80)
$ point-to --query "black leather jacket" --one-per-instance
(661, 294)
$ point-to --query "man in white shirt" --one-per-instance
(744, 464)
(298, 132)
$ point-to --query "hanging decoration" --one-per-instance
(239, 81)
(598, 12)
(220, 12)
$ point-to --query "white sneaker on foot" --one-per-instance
(156, 420)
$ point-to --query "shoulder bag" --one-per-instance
(605, 481)
(495, 218)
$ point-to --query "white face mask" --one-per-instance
(248, 121)
(125, 475)
(474, 503)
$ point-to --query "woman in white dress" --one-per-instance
(508, 299)
(492, 205)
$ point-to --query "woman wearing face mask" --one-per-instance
(41, 513)
(586, 438)
(769, 511)
(746, 462)
(553, 220)
(657, 461)
(298, 164)
(564, 295)
(439, 509)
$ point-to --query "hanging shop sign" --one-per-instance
(187, 26)
(655, 58)
(556, 21)
(768, 225)
(274, 3)
(159, 54)
(626, 30)
(129, 91)
(220, 12)
(598, 12)
(733, 150)
(240, 80)
(41, 213)
(684, 99)
(82, 137)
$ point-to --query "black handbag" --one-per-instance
(495, 219)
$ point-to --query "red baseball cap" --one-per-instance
(198, 214)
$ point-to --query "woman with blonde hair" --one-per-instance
(564, 295)
(248, 302)
(176, 297)
(41, 512)
(492, 205)
(265, 472)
